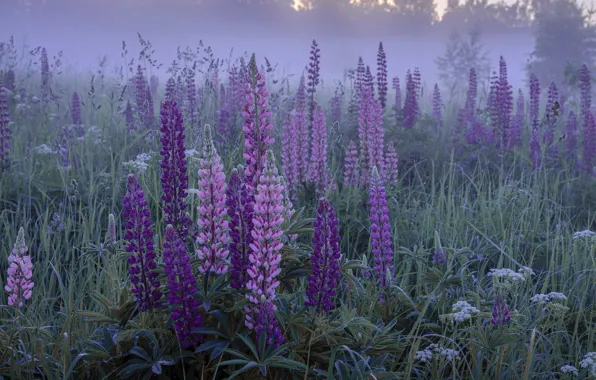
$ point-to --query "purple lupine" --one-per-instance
(534, 106)
(535, 150)
(418, 84)
(314, 68)
(139, 237)
(213, 226)
(351, 169)
(240, 202)
(397, 89)
(382, 75)
(367, 117)
(516, 130)
(504, 104)
(20, 270)
(45, 75)
(257, 128)
(492, 102)
(5, 130)
(129, 117)
(65, 147)
(585, 93)
(360, 73)
(182, 286)
(472, 94)
(10, 81)
(589, 143)
(552, 99)
(476, 133)
(191, 98)
(439, 257)
(369, 81)
(571, 132)
(319, 172)
(391, 172)
(301, 147)
(500, 315)
(265, 322)
(141, 94)
(264, 257)
(325, 258)
(170, 93)
(75, 110)
(380, 230)
(410, 103)
(551, 117)
(149, 118)
(174, 177)
(437, 105)
(223, 125)
(376, 132)
(335, 107)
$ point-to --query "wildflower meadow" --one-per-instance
(232, 222)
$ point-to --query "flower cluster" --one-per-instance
(427, 354)
(382, 75)
(351, 169)
(500, 315)
(319, 172)
(589, 362)
(20, 270)
(380, 231)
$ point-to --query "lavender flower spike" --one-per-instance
(325, 275)
(19, 284)
(500, 314)
(380, 230)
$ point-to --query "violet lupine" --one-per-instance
(170, 93)
(380, 230)
(571, 132)
(336, 101)
(257, 128)
(325, 275)
(382, 75)
(351, 168)
(20, 270)
(418, 83)
(504, 99)
(223, 125)
(437, 105)
(76, 114)
(360, 74)
(589, 142)
(314, 68)
(472, 94)
(535, 150)
(191, 98)
(439, 257)
(476, 134)
(45, 75)
(264, 257)
(213, 226)
(240, 202)
(500, 315)
(301, 146)
(369, 81)
(319, 172)
(391, 171)
(139, 236)
(410, 103)
(182, 286)
(585, 93)
(5, 130)
(534, 106)
(141, 94)
(492, 101)
(174, 177)
(266, 323)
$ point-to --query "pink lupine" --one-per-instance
(351, 169)
(212, 210)
(257, 128)
(265, 259)
(390, 170)
(319, 172)
(380, 230)
(20, 270)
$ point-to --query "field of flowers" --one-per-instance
(237, 223)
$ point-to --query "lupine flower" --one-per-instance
(411, 103)
(585, 93)
(265, 258)
(382, 75)
(380, 231)
(289, 152)
(139, 237)
(213, 236)
(351, 168)
(437, 105)
(368, 83)
(336, 101)
(397, 89)
(266, 323)
(534, 106)
(141, 94)
(360, 74)
(111, 234)
(504, 99)
(319, 172)
(170, 93)
(418, 85)
(174, 177)
(76, 114)
(129, 118)
(223, 125)
(589, 142)
(571, 132)
(5, 130)
(240, 202)
(191, 98)
(45, 75)
(182, 286)
(439, 257)
(314, 68)
(325, 275)
(391, 172)
(18, 283)
(257, 128)
(370, 134)
(301, 147)
(500, 315)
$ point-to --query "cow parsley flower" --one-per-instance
(589, 362)
(570, 369)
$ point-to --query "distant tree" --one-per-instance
(461, 54)
(563, 37)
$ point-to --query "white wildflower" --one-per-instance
(44, 149)
(506, 274)
(557, 296)
(589, 362)
(540, 298)
(569, 369)
(462, 311)
(191, 152)
(192, 191)
(140, 164)
(583, 234)
(526, 272)
(424, 356)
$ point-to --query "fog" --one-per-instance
(85, 36)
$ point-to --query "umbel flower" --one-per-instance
(182, 286)
(213, 226)
(19, 285)
(139, 236)
(380, 231)
(174, 177)
(325, 275)
(265, 258)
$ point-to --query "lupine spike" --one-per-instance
(20, 270)
(314, 75)
(380, 230)
(382, 75)
(500, 314)
(437, 106)
(351, 168)
(319, 171)
(5, 129)
(411, 103)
